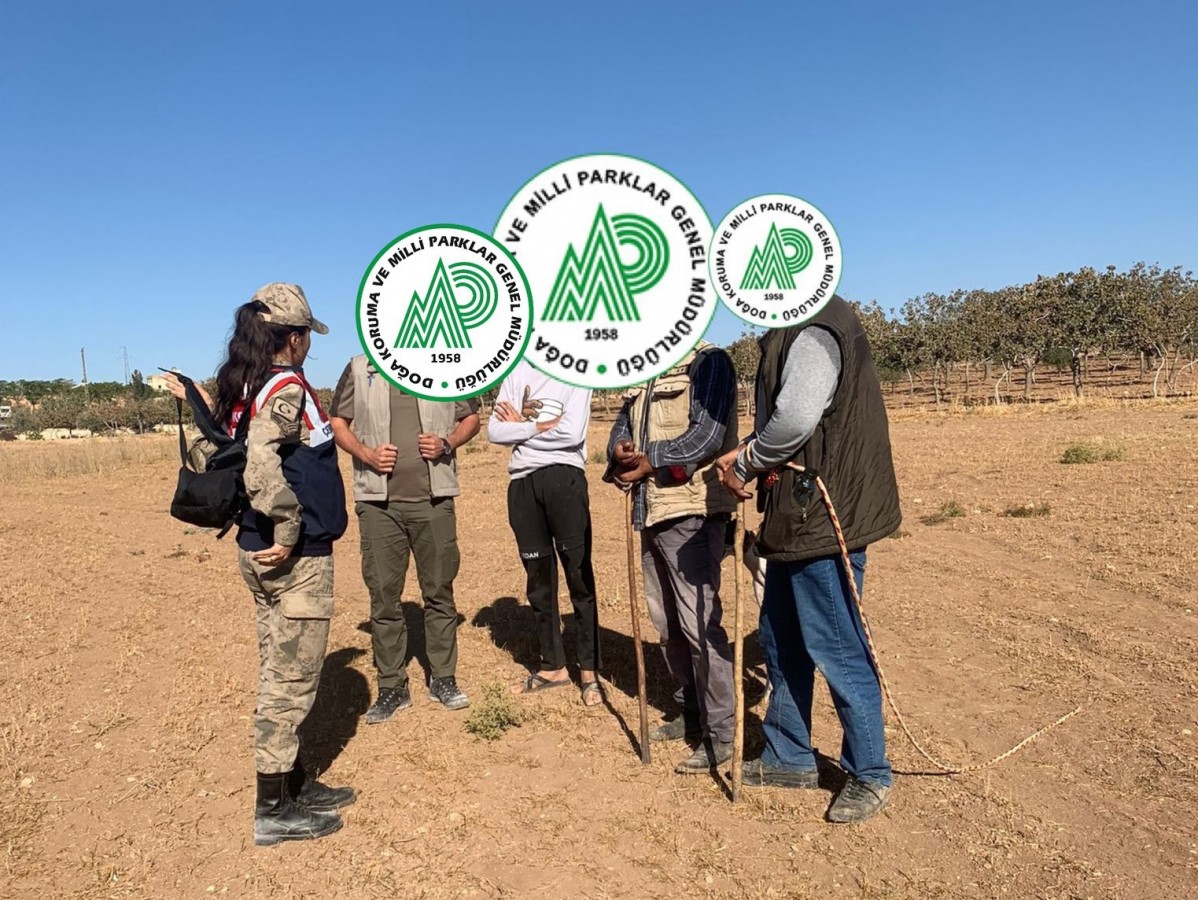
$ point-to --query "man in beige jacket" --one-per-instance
(405, 481)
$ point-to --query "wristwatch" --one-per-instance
(446, 448)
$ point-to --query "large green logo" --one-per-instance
(439, 316)
(771, 267)
(600, 277)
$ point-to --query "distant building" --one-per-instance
(157, 383)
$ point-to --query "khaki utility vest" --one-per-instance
(669, 401)
(372, 425)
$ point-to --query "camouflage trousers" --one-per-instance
(294, 604)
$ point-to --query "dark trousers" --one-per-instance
(391, 533)
(550, 512)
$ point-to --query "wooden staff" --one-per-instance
(738, 659)
(641, 694)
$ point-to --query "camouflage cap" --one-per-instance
(288, 306)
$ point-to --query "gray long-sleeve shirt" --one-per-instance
(809, 379)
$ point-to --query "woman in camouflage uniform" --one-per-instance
(285, 542)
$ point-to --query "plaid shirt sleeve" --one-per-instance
(713, 391)
(620, 431)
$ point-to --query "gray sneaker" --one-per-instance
(858, 801)
(446, 692)
(389, 702)
(710, 754)
(757, 773)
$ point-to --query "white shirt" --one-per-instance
(564, 444)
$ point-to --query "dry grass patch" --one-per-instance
(24, 461)
(1028, 511)
(949, 510)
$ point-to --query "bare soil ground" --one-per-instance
(128, 663)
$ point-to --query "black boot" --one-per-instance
(277, 818)
(311, 794)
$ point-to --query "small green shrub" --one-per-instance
(494, 713)
(1028, 511)
(1091, 452)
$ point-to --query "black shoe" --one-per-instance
(390, 701)
(756, 772)
(277, 818)
(679, 728)
(858, 801)
(446, 692)
(311, 794)
(710, 754)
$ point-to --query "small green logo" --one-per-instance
(770, 267)
(600, 277)
(439, 316)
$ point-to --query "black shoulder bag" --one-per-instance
(215, 497)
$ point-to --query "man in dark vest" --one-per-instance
(819, 404)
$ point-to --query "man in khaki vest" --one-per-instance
(663, 448)
(405, 481)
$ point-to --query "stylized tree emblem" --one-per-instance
(771, 266)
(600, 278)
(439, 316)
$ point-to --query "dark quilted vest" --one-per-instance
(850, 450)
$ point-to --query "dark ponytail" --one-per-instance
(253, 345)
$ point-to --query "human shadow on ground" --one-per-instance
(341, 700)
(413, 616)
(513, 630)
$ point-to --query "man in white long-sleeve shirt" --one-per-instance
(545, 423)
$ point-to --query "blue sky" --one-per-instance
(161, 161)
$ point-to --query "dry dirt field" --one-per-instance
(129, 661)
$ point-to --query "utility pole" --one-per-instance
(83, 358)
(125, 352)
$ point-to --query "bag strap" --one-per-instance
(243, 425)
(182, 443)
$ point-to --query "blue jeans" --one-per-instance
(809, 621)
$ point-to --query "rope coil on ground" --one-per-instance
(944, 767)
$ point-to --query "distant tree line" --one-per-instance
(967, 343)
(100, 406)
(1146, 315)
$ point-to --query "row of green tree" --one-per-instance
(100, 406)
(73, 412)
(34, 391)
(1146, 314)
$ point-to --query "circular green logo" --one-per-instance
(444, 312)
(616, 252)
(775, 260)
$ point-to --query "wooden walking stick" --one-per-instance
(738, 658)
(641, 694)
